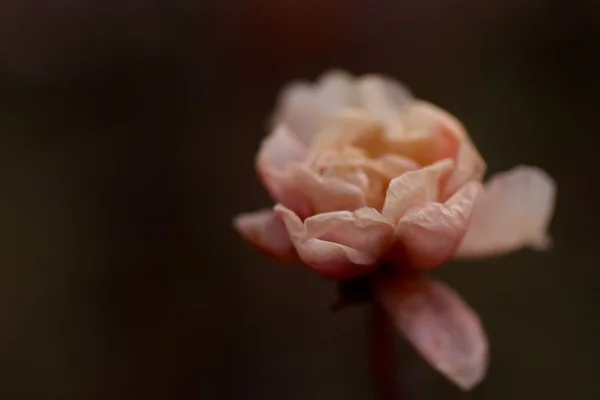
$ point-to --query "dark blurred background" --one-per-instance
(127, 137)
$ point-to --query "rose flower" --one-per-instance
(365, 176)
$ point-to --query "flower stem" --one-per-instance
(382, 348)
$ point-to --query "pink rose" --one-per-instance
(365, 175)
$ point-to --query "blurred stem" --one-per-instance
(382, 348)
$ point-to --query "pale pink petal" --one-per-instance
(384, 98)
(469, 166)
(513, 212)
(372, 176)
(326, 193)
(414, 188)
(336, 91)
(423, 113)
(281, 148)
(429, 234)
(283, 189)
(364, 229)
(305, 107)
(265, 230)
(346, 128)
(393, 165)
(469, 163)
(339, 245)
(439, 324)
(299, 109)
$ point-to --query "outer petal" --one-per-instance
(439, 324)
(281, 148)
(341, 244)
(513, 212)
(469, 163)
(414, 188)
(283, 189)
(265, 230)
(428, 235)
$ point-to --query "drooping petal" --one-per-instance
(414, 188)
(265, 230)
(339, 245)
(513, 212)
(429, 234)
(439, 324)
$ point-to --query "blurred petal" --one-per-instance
(336, 91)
(414, 188)
(392, 165)
(384, 98)
(281, 148)
(430, 234)
(300, 110)
(265, 230)
(346, 128)
(304, 107)
(513, 212)
(277, 151)
(439, 324)
(341, 244)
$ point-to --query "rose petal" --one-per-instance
(336, 90)
(428, 235)
(326, 193)
(305, 107)
(392, 165)
(283, 189)
(382, 97)
(281, 148)
(364, 229)
(414, 188)
(469, 167)
(469, 163)
(339, 245)
(513, 212)
(439, 324)
(265, 230)
(300, 110)
(346, 128)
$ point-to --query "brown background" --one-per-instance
(127, 136)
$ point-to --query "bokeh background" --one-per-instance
(127, 136)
